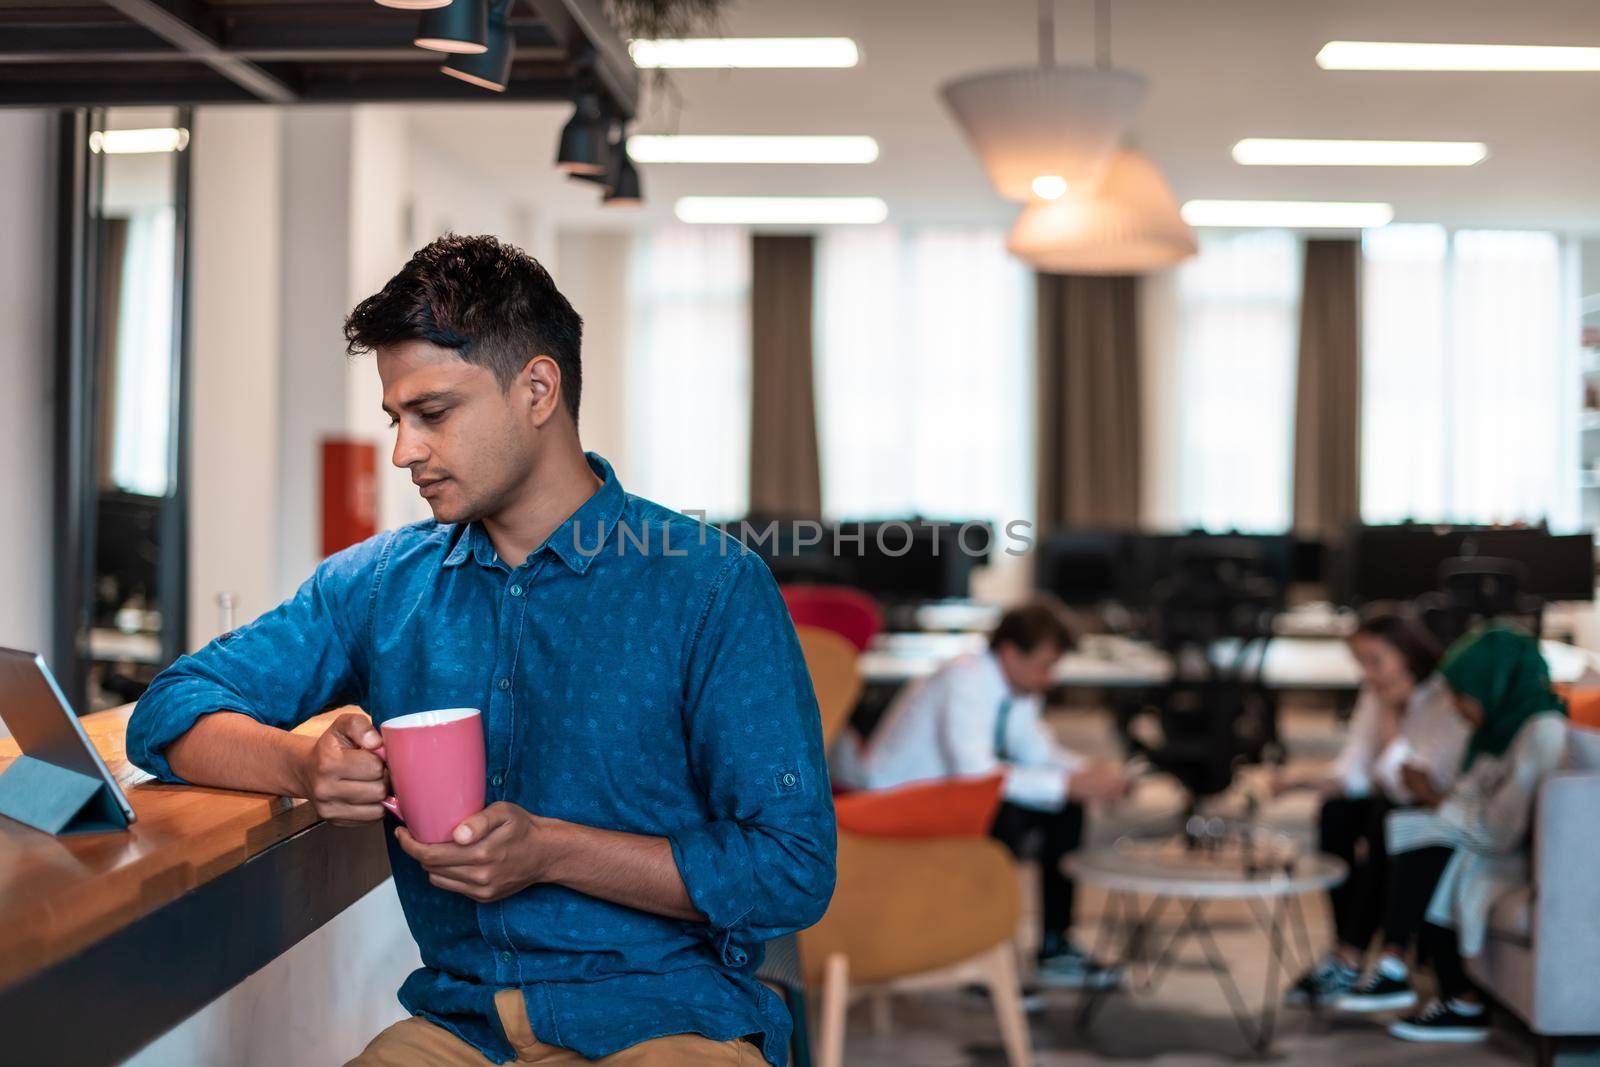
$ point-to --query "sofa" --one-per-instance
(1541, 959)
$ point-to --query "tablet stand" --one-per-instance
(57, 800)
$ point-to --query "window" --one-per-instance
(1236, 343)
(1467, 387)
(141, 406)
(688, 387)
(924, 362)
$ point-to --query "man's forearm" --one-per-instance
(234, 751)
(628, 869)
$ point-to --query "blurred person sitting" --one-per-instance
(1459, 853)
(1403, 748)
(980, 714)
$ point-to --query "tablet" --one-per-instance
(59, 784)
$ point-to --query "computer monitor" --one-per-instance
(1083, 568)
(905, 560)
(1402, 562)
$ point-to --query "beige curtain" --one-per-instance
(1327, 423)
(784, 471)
(1089, 418)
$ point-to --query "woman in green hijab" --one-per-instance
(1500, 681)
(1453, 861)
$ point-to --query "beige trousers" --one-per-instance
(416, 1042)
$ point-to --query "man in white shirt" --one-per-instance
(980, 714)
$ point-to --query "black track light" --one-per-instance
(490, 69)
(583, 148)
(622, 177)
(462, 28)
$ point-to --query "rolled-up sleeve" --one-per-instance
(763, 864)
(300, 658)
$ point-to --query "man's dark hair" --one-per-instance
(490, 302)
(1039, 622)
(1402, 631)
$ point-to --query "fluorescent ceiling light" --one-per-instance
(1405, 55)
(135, 142)
(1292, 152)
(1049, 186)
(724, 52)
(1293, 214)
(696, 148)
(781, 210)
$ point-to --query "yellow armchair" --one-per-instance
(908, 914)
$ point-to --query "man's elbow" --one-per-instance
(814, 890)
(817, 901)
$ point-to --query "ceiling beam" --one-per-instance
(185, 25)
(425, 87)
(582, 24)
(276, 43)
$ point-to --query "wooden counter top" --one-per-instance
(60, 895)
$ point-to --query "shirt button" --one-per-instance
(505, 957)
(498, 780)
(516, 590)
(789, 779)
(504, 684)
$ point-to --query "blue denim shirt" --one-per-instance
(638, 672)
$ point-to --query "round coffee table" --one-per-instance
(1144, 878)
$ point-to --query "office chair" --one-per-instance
(1213, 618)
(847, 612)
(1475, 590)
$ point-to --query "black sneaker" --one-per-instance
(1323, 983)
(1069, 967)
(1378, 992)
(1440, 1022)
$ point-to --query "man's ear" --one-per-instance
(539, 385)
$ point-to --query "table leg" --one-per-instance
(1111, 914)
(1257, 1032)
(1124, 920)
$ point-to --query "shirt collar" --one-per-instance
(575, 542)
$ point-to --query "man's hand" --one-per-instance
(1419, 783)
(1098, 781)
(495, 853)
(343, 775)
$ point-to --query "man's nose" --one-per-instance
(408, 447)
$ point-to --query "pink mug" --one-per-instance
(435, 763)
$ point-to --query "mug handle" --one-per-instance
(391, 803)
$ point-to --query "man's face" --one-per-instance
(468, 445)
(1029, 672)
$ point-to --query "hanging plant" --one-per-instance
(655, 19)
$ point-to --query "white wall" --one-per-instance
(236, 290)
(594, 278)
(27, 287)
(316, 281)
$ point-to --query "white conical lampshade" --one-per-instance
(1130, 226)
(1045, 121)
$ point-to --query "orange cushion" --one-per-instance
(950, 807)
(1583, 703)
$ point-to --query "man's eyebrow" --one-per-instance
(437, 396)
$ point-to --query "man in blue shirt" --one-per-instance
(658, 802)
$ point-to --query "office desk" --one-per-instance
(1322, 664)
(109, 940)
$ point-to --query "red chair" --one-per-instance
(847, 612)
